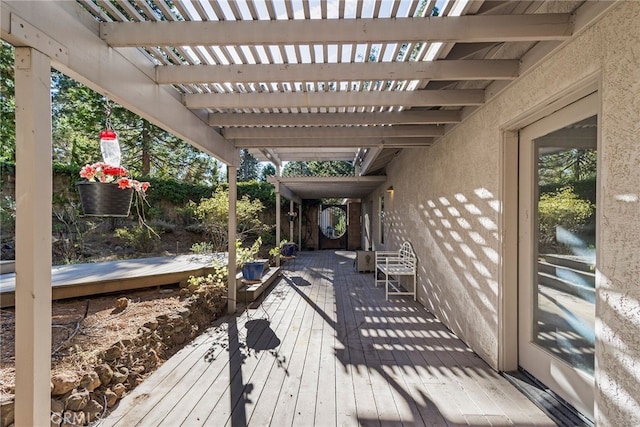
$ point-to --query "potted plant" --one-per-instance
(107, 190)
(252, 269)
(284, 249)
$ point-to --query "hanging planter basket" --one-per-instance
(104, 199)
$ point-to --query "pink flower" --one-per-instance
(88, 172)
(124, 182)
(103, 172)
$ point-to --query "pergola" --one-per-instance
(305, 80)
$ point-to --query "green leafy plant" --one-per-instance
(202, 248)
(562, 208)
(142, 238)
(247, 254)
(214, 214)
(217, 279)
(278, 251)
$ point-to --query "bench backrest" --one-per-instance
(407, 255)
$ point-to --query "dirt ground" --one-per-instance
(83, 327)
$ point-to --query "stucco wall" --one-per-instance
(446, 202)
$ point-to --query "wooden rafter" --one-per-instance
(414, 117)
(485, 28)
(423, 98)
(431, 70)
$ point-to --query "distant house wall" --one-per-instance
(453, 216)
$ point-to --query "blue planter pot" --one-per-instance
(253, 270)
(288, 249)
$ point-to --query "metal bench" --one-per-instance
(393, 265)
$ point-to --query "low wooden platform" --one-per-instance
(77, 280)
(250, 291)
(324, 348)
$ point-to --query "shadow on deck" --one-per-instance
(324, 348)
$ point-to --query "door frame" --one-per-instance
(508, 221)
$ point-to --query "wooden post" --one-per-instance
(291, 239)
(277, 184)
(300, 226)
(233, 197)
(34, 191)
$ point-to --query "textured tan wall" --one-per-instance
(452, 217)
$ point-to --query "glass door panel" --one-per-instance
(557, 251)
(566, 212)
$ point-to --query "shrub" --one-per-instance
(563, 208)
(202, 248)
(141, 237)
(214, 214)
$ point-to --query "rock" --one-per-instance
(105, 373)
(93, 410)
(7, 410)
(122, 303)
(77, 400)
(179, 338)
(63, 382)
(112, 353)
(111, 397)
(119, 389)
(73, 419)
(90, 381)
(57, 406)
(120, 376)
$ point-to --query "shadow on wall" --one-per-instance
(619, 348)
(457, 262)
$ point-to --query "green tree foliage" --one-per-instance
(79, 114)
(563, 208)
(319, 168)
(567, 166)
(249, 169)
(214, 214)
(7, 104)
(267, 171)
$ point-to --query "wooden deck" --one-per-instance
(324, 348)
(76, 280)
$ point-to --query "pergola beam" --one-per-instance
(418, 98)
(369, 158)
(403, 131)
(499, 69)
(447, 29)
(411, 117)
(320, 143)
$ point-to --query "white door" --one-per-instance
(557, 251)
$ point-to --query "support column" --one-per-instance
(300, 226)
(34, 191)
(291, 239)
(233, 197)
(277, 219)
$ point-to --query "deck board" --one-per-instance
(335, 352)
